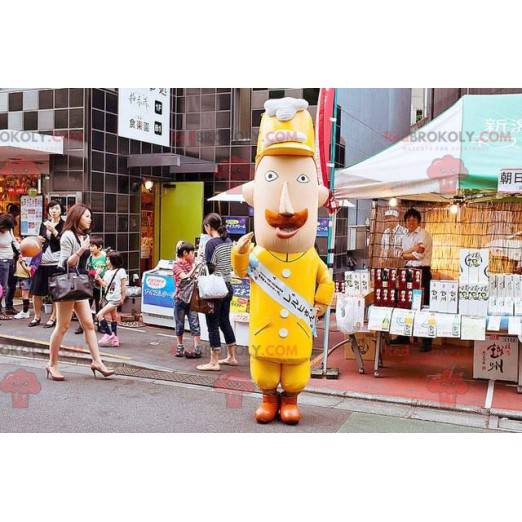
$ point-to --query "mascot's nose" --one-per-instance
(285, 205)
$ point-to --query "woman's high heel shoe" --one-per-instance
(50, 374)
(95, 369)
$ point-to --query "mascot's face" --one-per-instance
(285, 195)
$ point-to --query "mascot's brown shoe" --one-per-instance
(268, 409)
(289, 412)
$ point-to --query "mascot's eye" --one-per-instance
(303, 178)
(271, 175)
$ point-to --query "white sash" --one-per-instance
(281, 293)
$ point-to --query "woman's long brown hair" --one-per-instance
(74, 214)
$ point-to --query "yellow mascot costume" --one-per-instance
(289, 284)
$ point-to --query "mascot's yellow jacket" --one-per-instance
(275, 333)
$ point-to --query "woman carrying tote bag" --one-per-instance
(218, 256)
(74, 252)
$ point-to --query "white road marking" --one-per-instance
(489, 394)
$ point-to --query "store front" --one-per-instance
(24, 171)
(466, 191)
(171, 211)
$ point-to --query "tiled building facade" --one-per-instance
(218, 125)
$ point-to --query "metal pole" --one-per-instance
(331, 235)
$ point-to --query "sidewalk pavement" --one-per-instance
(440, 380)
(146, 346)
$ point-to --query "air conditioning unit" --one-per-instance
(357, 237)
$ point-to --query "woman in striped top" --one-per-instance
(218, 256)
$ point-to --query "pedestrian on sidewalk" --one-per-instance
(14, 211)
(74, 252)
(22, 276)
(50, 233)
(96, 266)
(218, 258)
(8, 247)
(183, 269)
(113, 284)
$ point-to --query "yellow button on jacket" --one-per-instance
(276, 334)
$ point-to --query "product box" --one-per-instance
(496, 358)
(477, 303)
(501, 286)
(377, 277)
(453, 297)
(402, 322)
(385, 278)
(378, 297)
(402, 301)
(434, 295)
(392, 297)
(443, 296)
(365, 282)
(417, 299)
(356, 283)
(448, 325)
(425, 324)
(409, 298)
(508, 307)
(402, 274)
(464, 298)
(386, 297)
(379, 318)
(474, 264)
(417, 278)
(367, 344)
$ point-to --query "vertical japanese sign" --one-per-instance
(31, 215)
(144, 115)
(496, 358)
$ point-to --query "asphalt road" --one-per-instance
(30, 403)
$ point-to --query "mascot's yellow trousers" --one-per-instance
(267, 375)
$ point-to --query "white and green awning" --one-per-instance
(464, 149)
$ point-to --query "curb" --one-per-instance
(20, 347)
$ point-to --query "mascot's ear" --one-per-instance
(248, 193)
(322, 195)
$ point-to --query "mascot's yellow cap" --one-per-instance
(286, 129)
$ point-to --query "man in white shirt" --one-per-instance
(417, 247)
(417, 244)
(391, 243)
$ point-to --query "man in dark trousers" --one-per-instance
(417, 247)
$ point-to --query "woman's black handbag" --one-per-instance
(70, 286)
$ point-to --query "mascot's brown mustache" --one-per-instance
(285, 221)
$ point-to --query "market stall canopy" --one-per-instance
(463, 150)
(27, 145)
(236, 194)
(233, 194)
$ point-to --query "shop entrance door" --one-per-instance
(180, 216)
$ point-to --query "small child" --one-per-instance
(23, 276)
(113, 295)
(96, 265)
(183, 269)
